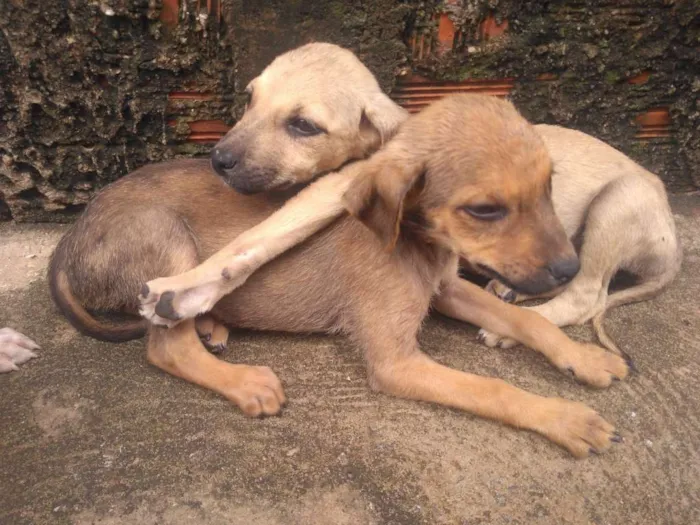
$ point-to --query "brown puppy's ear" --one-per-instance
(377, 198)
(384, 115)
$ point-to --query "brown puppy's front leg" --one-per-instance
(168, 300)
(255, 389)
(574, 426)
(590, 364)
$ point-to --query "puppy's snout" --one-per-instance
(563, 270)
(223, 160)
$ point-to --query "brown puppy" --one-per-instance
(428, 202)
(332, 113)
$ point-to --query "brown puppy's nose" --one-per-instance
(223, 160)
(563, 270)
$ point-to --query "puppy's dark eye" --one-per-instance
(303, 128)
(485, 212)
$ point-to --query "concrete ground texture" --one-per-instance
(91, 433)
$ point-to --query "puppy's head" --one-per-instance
(478, 177)
(309, 112)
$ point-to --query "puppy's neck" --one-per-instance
(414, 235)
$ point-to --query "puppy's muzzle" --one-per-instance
(556, 273)
(230, 167)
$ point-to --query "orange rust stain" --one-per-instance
(169, 12)
(417, 92)
(545, 77)
(642, 78)
(654, 123)
(492, 29)
(446, 33)
(204, 130)
(654, 117)
(205, 137)
(190, 95)
(208, 126)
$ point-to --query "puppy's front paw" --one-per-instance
(258, 392)
(15, 349)
(169, 300)
(491, 339)
(594, 366)
(501, 291)
(576, 427)
(164, 302)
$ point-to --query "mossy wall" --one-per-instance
(90, 90)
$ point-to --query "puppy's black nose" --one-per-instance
(564, 270)
(223, 159)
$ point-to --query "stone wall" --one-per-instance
(90, 90)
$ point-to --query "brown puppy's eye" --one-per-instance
(303, 128)
(486, 212)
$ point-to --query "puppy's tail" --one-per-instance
(80, 318)
(640, 292)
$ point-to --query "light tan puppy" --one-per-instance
(421, 203)
(616, 212)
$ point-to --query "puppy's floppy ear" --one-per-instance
(383, 114)
(377, 198)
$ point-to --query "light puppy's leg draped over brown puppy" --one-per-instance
(198, 290)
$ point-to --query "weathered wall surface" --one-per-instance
(90, 90)
(626, 71)
(84, 90)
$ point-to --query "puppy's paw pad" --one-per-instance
(148, 312)
(167, 303)
(492, 340)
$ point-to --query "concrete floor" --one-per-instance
(90, 433)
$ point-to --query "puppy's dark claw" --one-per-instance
(217, 349)
(616, 438)
(164, 307)
(145, 290)
(571, 371)
(593, 451)
(630, 363)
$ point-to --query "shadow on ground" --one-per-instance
(90, 433)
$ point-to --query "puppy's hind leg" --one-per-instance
(180, 352)
(255, 389)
